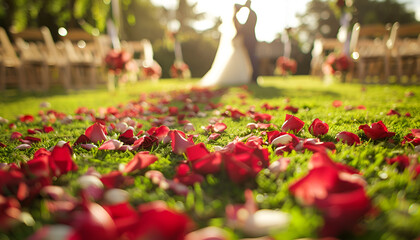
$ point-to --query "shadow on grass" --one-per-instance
(268, 92)
(14, 95)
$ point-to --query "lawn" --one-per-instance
(108, 167)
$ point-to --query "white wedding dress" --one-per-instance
(231, 65)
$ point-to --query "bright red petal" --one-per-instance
(140, 161)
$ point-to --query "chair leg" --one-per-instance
(386, 71)
(20, 73)
(45, 77)
(2, 77)
(66, 77)
(417, 64)
(92, 76)
(362, 72)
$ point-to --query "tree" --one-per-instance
(186, 14)
(382, 12)
(141, 19)
(319, 19)
(18, 15)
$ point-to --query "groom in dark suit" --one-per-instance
(247, 30)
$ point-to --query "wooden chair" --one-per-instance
(43, 61)
(407, 54)
(35, 68)
(82, 52)
(56, 59)
(11, 67)
(373, 49)
(353, 54)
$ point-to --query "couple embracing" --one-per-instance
(235, 62)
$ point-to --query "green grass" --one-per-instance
(395, 194)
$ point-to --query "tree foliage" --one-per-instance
(141, 20)
(387, 11)
(321, 18)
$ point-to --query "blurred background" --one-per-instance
(195, 23)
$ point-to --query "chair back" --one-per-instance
(29, 35)
(9, 54)
(409, 30)
(354, 38)
(50, 45)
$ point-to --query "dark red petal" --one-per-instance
(82, 139)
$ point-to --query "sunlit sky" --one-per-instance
(273, 15)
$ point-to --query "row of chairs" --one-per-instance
(380, 53)
(35, 62)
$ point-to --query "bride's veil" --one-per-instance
(224, 51)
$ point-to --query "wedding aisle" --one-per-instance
(291, 158)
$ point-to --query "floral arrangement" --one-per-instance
(152, 71)
(336, 63)
(180, 70)
(116, 60)
(285, 66)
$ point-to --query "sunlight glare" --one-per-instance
(273, 15)
(242, 15)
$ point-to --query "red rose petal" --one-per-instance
(140, 161)
(96, 133)
(219, 127)
(111, 144)
(179, 143)
(348, 138)
(318, 128)
(292, 123)
(61, 156)
(376, 131)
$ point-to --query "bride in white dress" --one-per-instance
(231, 66)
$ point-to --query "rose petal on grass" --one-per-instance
(292, 123)
(62, 158)
(96, 133)
(219, 127)
(376, 131)
(337, 103)
(15, 135)
(111, 144)
(214, 136)
(23, 146)
(88, 146)
(179, 143)
(116, 179)
(318, 128)
(140, 161)
(348, 138)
